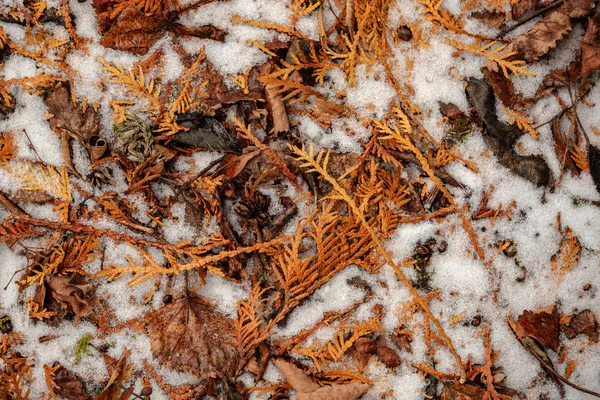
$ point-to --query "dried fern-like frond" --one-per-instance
(11, 231)
(197, 256)
(498, 56)
(580, 158)
(567, 256)
(3, 37)
(525, 124)
(42, 177)
(302, 8)
(135, 82)
(36, 313)
(319, 164)
(251, 328)
(236, 19)
(323, 353)
(49, 376)
(435, 12)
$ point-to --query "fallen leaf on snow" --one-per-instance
(542, 325)
(306, 389)
(189, 335)
(583, 323)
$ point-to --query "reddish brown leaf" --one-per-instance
(522, 7)
(590, 48)
(402, 340)
(456, 391)
(387, 355)
(306, 389)
(362, 350)
(451, 111)
(70, 386)
(190, 336)
(133, 31)
(119, 371)
(542, 325)
(583, 323)
(494, 19)
(71, 296)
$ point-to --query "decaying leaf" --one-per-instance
(542, 325)
(545, 34)
(69, 117)
(583, 323)
(69, 385)
(501, 137)
(204, 133)
(306, 389)
(61, 295)
(119, 372)
(189, 335)
(456, 391)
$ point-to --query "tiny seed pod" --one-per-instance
(404, 33)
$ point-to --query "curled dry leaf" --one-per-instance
(583, 323)
(542, 325)
(501, 137)
(545, 34)
(189, 335)
(63, 293)
(306, 389)
(133, 31)
(67, 116)
(119, 371)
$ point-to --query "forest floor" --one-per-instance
(271, 199)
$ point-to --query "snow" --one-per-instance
(429, 75)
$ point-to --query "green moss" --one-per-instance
(83, 347)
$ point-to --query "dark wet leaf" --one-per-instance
(70, 386)
(501, 137)
(205, 133)
(456, 391)
(594, 159)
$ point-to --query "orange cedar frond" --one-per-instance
(49, 375)
(36, 313)
(497, 56)
(522, 122)
(268, 25)
(7, 147)
(136, 83)
(251, 329)
(580, 158)
(313, 164)
(567, 256)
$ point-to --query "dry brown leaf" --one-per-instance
(583, 323)
(277, 109)
(545, 34)
(306, 389)
(189, 335)
(119, 372)
(590, 48)
(542, 325)
(67, 116)
(456, 391)
(133, 31)
(70, 386)
(72, 296)
(521, 7)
